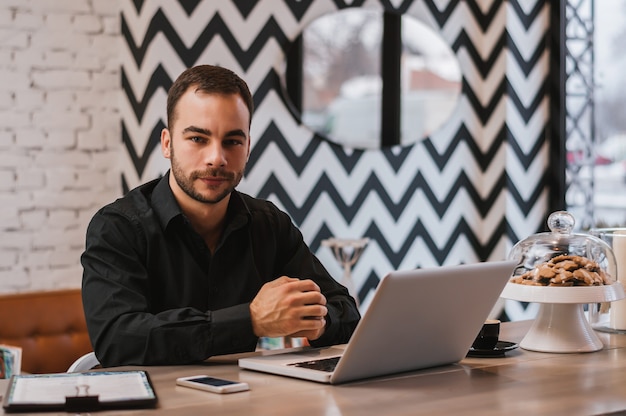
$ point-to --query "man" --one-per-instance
(185, 267)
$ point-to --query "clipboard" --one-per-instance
(80, 392)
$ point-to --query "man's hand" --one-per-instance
(289, 307)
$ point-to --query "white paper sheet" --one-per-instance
(54, 388)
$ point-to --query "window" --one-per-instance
(595, 122)
(367, 79)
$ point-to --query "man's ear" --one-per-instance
(165, 143)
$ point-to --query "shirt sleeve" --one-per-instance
(298, 261)
(116, 299)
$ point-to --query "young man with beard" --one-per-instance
(186, 267)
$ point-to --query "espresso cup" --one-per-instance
(487, 338)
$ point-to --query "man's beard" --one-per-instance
(186, 182)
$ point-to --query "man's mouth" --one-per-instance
(213, 180)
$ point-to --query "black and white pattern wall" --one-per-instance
(464, 194)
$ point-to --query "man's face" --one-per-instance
(208, 145)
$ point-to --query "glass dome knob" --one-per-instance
(561, 222)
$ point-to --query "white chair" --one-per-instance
(84, 363)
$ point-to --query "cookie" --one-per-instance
(564, 271)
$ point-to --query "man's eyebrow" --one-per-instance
(237, 132)
(205, 132)
(194, 129)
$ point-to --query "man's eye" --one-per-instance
(196, 139)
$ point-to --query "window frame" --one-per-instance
(390, 71)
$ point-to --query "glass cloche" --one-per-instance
(561, 258)
(562, 271)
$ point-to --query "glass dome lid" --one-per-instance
(563, 258)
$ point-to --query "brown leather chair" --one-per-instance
(49, 326)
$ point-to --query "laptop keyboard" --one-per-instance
(325, 364)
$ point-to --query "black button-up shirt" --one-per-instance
(154, 294)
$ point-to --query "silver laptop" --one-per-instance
(417, 319)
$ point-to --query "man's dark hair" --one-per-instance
(209, 79)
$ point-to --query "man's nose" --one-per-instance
(214, 155)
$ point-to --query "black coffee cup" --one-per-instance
(487, 338)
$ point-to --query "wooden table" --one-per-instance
(522, 383)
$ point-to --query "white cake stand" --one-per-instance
(561, 325)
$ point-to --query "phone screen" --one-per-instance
(211, 381)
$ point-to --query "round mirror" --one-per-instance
(349, 69)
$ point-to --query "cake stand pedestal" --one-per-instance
(561, 325)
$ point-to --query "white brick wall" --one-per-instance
(59, 134)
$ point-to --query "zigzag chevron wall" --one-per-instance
(464, 194)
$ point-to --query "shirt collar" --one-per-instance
(163, 202)
(166, 208)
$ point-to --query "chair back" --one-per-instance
(49, 326)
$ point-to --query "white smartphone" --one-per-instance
(212, 384)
